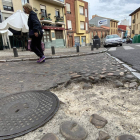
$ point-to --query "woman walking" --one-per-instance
(35, 32)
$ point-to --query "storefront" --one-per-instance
(54, 36)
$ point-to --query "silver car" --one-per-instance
(113, 40)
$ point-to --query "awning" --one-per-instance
(53, 28)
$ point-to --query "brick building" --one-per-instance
(77, 23)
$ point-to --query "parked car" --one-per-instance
(112, 40)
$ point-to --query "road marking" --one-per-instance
(112, 49)
(138, 45)
(127, 48)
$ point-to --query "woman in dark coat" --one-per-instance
(35, 32)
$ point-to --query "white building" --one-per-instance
(125, 22)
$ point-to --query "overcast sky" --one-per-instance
(116, 9)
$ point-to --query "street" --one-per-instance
(96, 94)
(128, 53)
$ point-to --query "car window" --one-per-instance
(112, 36)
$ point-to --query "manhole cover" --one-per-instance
(23, 112)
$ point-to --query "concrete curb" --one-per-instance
(53, 57)
(133, 71)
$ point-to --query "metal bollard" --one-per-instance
(15, 52)
(92, 47)
(77, 48)
(53, 50)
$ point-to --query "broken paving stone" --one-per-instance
(121, 73)
(132, 85)
(87, 86)
(98, 121)
(139, 88)
(110, 74)
(125, 137)
(102, 76)
(76, 76)
(50, 136)
(91, 78)
(103, 136)
(118, 83)
(129, 77)
(73, 131)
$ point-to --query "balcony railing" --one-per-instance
(43, 17)
(59, 19)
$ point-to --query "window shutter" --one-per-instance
(7, 3)
(86, 12)
(82, 25)
(68, 7)
(69, 24)
(81, 10)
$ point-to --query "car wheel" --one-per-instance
(105, 46)
(120, 44)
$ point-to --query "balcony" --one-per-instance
(56, 2)
(59, 20)
(45, 19)
(133, 20)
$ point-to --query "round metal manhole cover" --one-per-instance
(23, 112)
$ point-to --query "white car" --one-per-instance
(112, 40)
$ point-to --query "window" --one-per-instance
(59, 34)
(25, 1)
(68, 8)
(69, 25)
(43, 11)
(7, 5)
(81, 10)
(8, 8)
(46, 36)
(86, 12)
(6, 18)
(82, 27)
(137, 15)
(86, 26)
(57, 13)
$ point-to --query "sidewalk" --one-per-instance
(27, 55)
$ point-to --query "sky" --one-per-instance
(115, 9)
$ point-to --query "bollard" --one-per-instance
(15, 52)
(53, 50)
(92, 47)
(77, 48)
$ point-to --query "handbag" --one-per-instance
(42, 45)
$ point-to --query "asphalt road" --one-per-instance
(128, 53)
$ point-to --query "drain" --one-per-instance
(23, 112)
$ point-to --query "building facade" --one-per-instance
(135, 22)
(99, 21)
(77, 24)
(101, 32)
(125, 22)
(50, 14)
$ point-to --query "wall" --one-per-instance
(79, 17)
(17, 5)
(113, 27)
(50, 8)
(96, 19)
(137, 23)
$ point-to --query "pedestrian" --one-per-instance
(35, 32)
